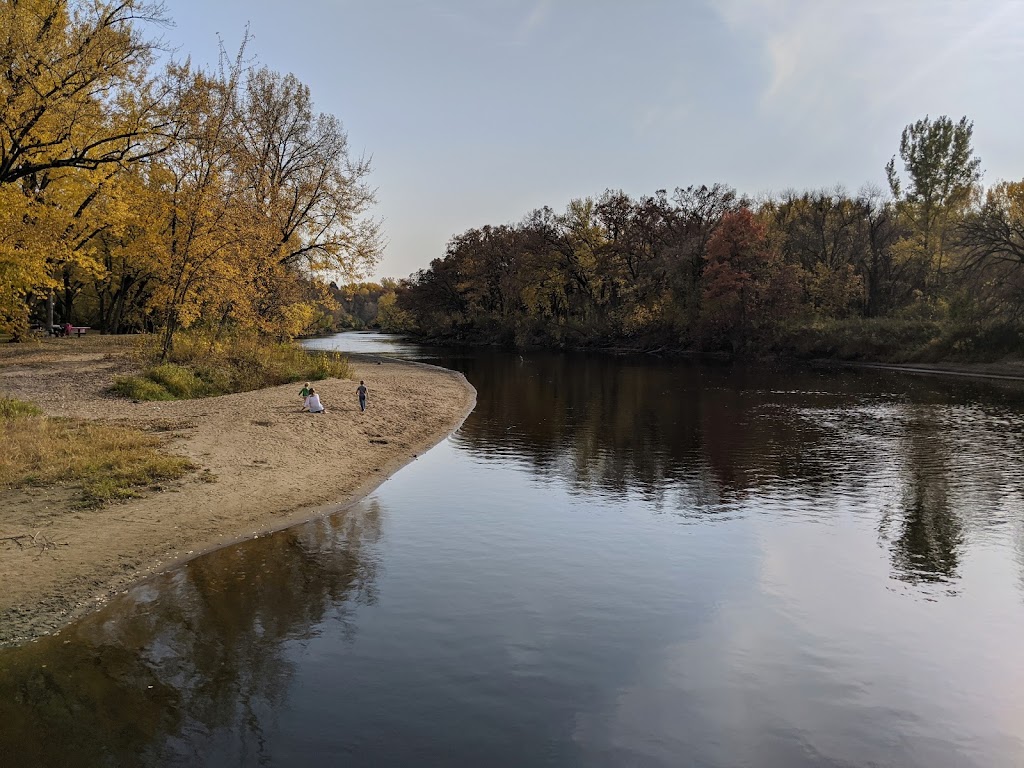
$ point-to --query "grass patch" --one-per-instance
(901, 339)
(201, 366)
(138, 388)
(11, 408)
(105, 462)
(882, 339)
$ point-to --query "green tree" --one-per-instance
(390, 317)
(941, 173)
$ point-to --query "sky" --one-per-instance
(478, 111)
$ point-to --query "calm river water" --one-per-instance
(614, 562)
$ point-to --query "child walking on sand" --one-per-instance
(361, 390)
(304, 393)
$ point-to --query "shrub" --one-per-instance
(180, 381)
(138, 388)
(891, 339)
(323, 365)
(202, 365)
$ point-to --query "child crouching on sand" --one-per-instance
(313, 403)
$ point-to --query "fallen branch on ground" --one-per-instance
(36, 540)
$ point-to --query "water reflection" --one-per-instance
(196, 654)
(930, 532)
(706, 441)
(616, 561)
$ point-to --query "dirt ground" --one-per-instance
(263, 465)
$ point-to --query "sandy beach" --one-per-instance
(262, 465)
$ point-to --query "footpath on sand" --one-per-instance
(262, 466)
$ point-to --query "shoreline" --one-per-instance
(309, 513)
(272, 468)
(992, 371)
(1006, 370)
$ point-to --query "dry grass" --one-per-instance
(105, 462)
(201, 366)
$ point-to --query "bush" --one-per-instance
(201, 366)
(138, 388)
(323, 365)
(902, 338)
(976, 342)
(181, 382)
(888, 339)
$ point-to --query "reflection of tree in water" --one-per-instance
(926, 547)
(210, 640)
(698, 439)
(622, 424)
(79, 705)
(960, 471)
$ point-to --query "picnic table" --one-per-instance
(58, 330)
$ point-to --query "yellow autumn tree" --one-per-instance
(255, 203)
(77, 107)
(218, 198)
(309, 200)
(197, 208)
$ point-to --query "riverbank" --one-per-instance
(1011, 368)
(262, 466)
(1008, 370)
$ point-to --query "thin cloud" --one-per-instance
(536, 17)
(1004, 18)
(509, 27)
(826, 57)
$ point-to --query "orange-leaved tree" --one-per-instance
(747, 287)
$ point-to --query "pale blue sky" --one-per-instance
(477, 111)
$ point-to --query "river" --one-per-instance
(614, 562)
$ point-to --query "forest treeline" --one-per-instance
(143, 193)
(360, 306)
(930, 268)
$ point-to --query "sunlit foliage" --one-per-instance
(133, 199)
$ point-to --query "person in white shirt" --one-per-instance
(313, 404)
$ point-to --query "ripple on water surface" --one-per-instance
(613, 562)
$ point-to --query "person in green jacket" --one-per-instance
(304, 393)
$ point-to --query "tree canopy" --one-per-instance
(142, 198)
(705, 267)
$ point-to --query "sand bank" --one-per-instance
(263, 466)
